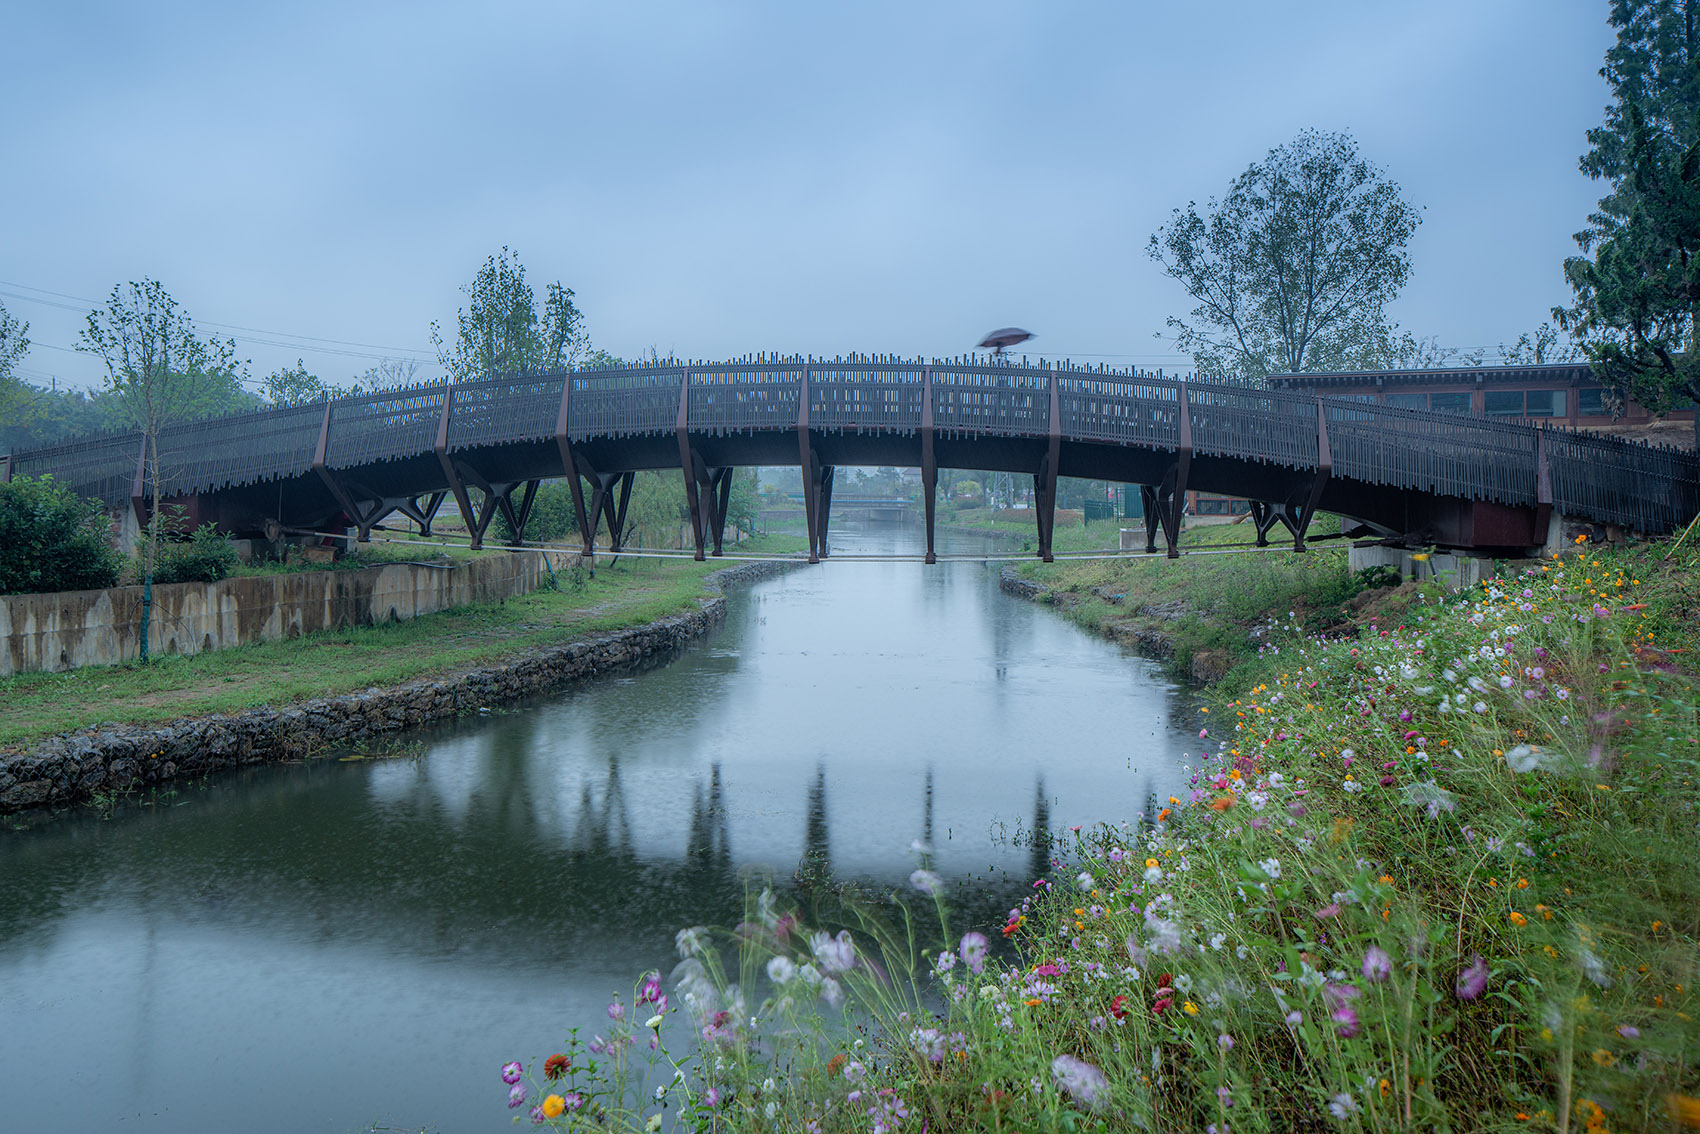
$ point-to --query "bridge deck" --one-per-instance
(1393, 467)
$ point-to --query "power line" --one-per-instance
(392, 352)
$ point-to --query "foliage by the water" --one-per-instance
(51, 540)
(1436, 877)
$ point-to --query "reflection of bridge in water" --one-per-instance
(436, 875)
(1409, 475)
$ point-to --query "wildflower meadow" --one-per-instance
(1437, 875)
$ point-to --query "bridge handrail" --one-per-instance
(1645, 487)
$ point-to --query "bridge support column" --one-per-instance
(823, 494)
(688, 462)
(604, 508)
(721, 492)
(1265, 516)
(929, 463)
(498, 496)
(1306, 510)
(422, 514)
(570, 466)
(810, 467)
(1045, 480)
(1148, 506)
(1045, 507)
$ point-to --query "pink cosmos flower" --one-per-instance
(1472, 981)
(972, 950)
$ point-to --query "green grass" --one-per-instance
(634, 591)
(1206, 604)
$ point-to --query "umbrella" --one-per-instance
(1006, 337)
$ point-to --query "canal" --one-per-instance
(343, 943)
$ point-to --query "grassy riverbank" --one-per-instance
(1438, 876)
(629, 593)
(1200, 611)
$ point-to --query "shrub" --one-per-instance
(50, 540)
(205, 557)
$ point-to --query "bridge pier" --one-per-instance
(604, 508)
(929, 463)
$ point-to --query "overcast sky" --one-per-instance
(714, 178)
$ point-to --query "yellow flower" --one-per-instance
(553, 1106)
(1603, 1057)
(1189, 1008)
(1684, 1111)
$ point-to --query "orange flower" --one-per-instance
(1221, 803)
(556, 1066)
(1522, 883)
(1162, 815)
(553, 1106)
(1517, 918)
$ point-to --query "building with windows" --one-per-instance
(1563, 393)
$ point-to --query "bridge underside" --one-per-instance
(501, 479)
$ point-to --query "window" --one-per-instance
(1457, 401)
(1409, 401)
(1504, 403)
(1546, 403)
(1592, 402)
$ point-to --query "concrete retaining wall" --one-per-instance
(78, 628)
(70, 769)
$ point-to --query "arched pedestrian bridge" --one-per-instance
(1426, 478)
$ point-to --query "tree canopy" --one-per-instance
(1637, 282)
(500, 330)
(1293, 268)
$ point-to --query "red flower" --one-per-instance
(1118, 1007)
(1162, 1005)
(556, 1066)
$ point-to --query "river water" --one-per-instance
(338, 944)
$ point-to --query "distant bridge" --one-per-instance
(1421, 477)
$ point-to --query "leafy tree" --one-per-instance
(14, 344)
(500, 331)
(1547, 345)
(293, 386)
(163, 372)
(52, 541)
(1293, 268)
(743, 504)
(1637, 282)
(388, 374)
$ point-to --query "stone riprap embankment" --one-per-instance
(76, 767)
